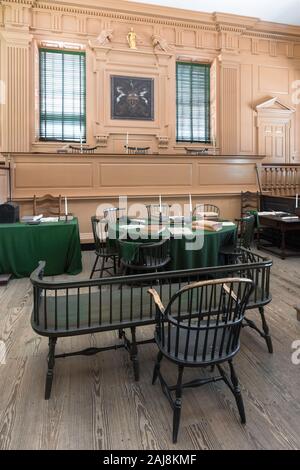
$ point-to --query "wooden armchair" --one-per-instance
(194, 333)
(48, 205)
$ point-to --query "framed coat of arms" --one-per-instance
(132, 98)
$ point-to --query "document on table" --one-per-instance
(49, 219)
(132, 227)
(228, 224)
(180, 231)
(138, 221)
(270, 213)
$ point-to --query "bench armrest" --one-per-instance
(157, 300)
(38, 273)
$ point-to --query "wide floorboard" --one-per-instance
(96, 404)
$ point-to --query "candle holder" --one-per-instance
(160, 219)
(66, 218)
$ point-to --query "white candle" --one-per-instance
(160, 204)
(80, 140)
(66, 206)
(297, 201)
(191, 208)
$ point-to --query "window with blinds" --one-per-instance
(193, 102)
(62, 95)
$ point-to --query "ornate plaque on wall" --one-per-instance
(132, 98)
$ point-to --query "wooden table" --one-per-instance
(283, 226)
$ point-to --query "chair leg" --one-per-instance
(94, 267)
(157, 367)
(177, 404)
(115, 265)
(51, 362)
(266, 330)
(237, 392)
(102, 267)
(134, 354)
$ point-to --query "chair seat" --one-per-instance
(213, 344)
(101, 311)
(107, 251)
(146, 267)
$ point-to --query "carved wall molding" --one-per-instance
(163, 141)
(102, 139)
(251, 27)
(19, 2)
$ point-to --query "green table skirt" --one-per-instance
(208, 255)
(181, 256)
(22, 246)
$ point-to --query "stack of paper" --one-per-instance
(209, 225)
(270, 213)
(207, 215)
(228, 224)
(49, 219)
(131, 227)
(31, 218)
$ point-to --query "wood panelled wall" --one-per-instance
(98, 179)
(253, 61)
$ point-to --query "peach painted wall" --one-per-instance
(252, 61)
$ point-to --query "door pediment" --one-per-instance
(274, 105)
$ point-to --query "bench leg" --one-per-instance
(266, 330)
(134, 354)
(51, 362)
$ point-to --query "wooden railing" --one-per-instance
(281, 180)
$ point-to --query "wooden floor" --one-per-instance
(96, 404)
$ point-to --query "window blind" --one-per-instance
(193, 102)
(62, 95)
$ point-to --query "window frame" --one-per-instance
(84, 87)
(208, 135)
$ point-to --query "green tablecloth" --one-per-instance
(22, 246)
(184, 258)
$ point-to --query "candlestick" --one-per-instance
(191, 207)
(66, 206)
(80, 140)
(297, 201)
(160, 204)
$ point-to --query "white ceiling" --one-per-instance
(280, 11)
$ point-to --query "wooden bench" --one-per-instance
(69, 308)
